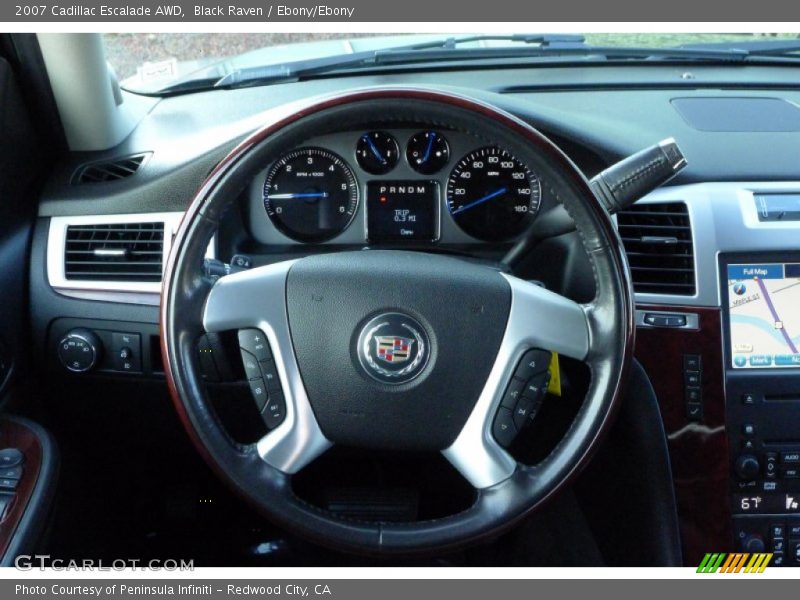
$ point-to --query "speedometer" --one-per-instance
(491, 195)
(311, 194)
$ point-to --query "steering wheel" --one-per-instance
(321, 315)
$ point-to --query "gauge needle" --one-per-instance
(431, 138)
(374, 149)
(485, 198)
(293, 196)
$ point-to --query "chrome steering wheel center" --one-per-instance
(393, 348)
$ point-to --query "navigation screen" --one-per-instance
(764, 308)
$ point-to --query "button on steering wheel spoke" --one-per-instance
(540, 321)
(254, 302)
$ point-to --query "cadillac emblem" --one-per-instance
(393, 348)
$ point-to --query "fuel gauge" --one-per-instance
(427, 152)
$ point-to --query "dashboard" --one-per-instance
(394, 186)
(725, 376)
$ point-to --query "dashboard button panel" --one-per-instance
(126, 348)
(262, 376)
(523, 396)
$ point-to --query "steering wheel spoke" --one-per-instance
(538, 319)
(543, 319)
(257, 299)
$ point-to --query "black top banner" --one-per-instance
(337, 11)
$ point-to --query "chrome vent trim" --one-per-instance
(659, 243)
(56, 252)
(114, 252)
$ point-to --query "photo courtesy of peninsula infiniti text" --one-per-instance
(466, 300)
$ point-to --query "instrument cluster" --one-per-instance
(395, 186)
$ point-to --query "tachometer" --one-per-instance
(492, 195)
(311, 194)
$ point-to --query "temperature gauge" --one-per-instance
(427, 152)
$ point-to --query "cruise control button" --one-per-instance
(513, 393)
(503, 428)
(533, 362)
(251, 368)
(270, 374)
(274, 411)
(255, 342)
(259, 391)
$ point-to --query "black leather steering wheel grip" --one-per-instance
(314, 312)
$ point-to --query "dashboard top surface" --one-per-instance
(587, 110)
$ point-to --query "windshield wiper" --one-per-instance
(419, 51)
(451, 49)
(779, 48)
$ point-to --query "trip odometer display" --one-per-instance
(492, 195)
(311, 194)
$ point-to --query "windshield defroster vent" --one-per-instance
(658, 242)
(109, 170)
(115, 252)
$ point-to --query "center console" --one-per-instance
(761, 337)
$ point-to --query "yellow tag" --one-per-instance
(555, 377)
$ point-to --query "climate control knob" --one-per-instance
(754, 543)
(747, 467)
(80, 350)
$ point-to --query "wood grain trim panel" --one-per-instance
(698, 451)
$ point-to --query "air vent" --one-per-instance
(658, 242)
(116, 252)
(109, 170)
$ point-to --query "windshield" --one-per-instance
(153, 62)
